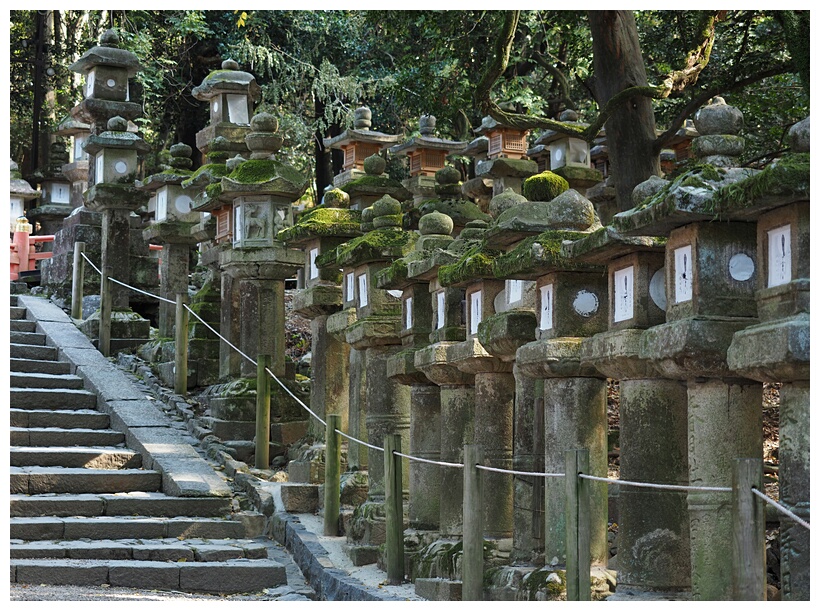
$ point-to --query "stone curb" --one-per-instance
(184, 472)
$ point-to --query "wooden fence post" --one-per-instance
(77, 281)
(181, 346)
(472, 562)
(748, 531)
(262, 451)
(577, 520)
(106, 297)
(333, 460)
(393, 509)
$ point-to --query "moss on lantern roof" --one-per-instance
(214, 172)
(323, 222)
(790, 175)
(475, 263)
(376, 245)
(537, 255)
(257, 171)
(213, 190)
(393, 276)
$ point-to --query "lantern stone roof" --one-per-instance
(607, 243)
(360, 135)
(18, 186)
(568, 116)
(71, 127)
(108, 54)
(476, 147)
(427, 142)
(226, 80)
(117, 137)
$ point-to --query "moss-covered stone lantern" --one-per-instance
(357, 144)
(505, 164)
(55, 201)
(570, 157)
(504, 141)
(76, 168)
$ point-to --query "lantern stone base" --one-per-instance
(128, 329)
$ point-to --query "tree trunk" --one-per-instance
(630, 131)
(324, 172)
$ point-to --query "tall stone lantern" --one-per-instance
(710, 287)
(76, 169)
(570, 157)
(55, 201)
(505, 164)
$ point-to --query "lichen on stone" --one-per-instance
(257, 171)
(535, 252)
(543, 187)
(323, 222)
(214, 171)
(789, 175)
(375, 245)
(475, 263)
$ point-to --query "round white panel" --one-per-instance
(657, 288)
(558, 154)
(741, 267)
(585, 303)
(183, 204)
(111, 82)
(120, 167)
(216, 106)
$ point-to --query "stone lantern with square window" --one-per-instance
(569, 156)
(711, 279)
(76, 169)
(21, 192)
(506, 163)
(55, 201)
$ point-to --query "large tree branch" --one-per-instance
(501, 56)
(699, 100)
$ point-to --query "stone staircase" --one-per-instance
(87, 509)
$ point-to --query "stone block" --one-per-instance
(438, 589)
(156, 575)
(300, 498)
(231, 576)
(361, 555)
(777, 351)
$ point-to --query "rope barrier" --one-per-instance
(605, 480)
(781, 508)
(623, 482)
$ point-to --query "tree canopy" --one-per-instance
(525, 67)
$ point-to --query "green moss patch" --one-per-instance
(476, 262)
(536, 254)
(214, 172)
(788, 176)
(376, 245)
(323, 222)
(543, 187)
(257, 171)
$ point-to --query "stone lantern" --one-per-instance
(570, 157)
(230, 94)
(107, 69)
(426, 155)
(358, 144)
(20, 193)
(76, 170)
(55, 201)
(711, 281)
(505, 163)
(477, 188)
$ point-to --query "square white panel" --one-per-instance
(362, 290)
(162, 204)
(238, 109)
(237, 224)
(60, 193)
(99, 164)
(439, 309)
(683, 274)
(314, 271)
(780, 255)
(546, 307)
(349, 287)
(514, 290)
(475, 311)
(624, 280)
(408, 313)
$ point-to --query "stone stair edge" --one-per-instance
(184, 472)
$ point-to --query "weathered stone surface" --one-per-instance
(300, 498)
(503, 333)
(773, 351)
(800, 136)
(718, 117)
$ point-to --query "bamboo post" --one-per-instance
(577, 520)
(393, 509)
(262, 453)
(472, 562)
(333, 460)
(748, 531)
(181, 345)
(106, 296)
(77, 278)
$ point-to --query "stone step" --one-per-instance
(59, 419)
(232, 576)
(37, 366)
(26, 351)
(124, 527)
(12, 300)
(70, 457)
(32, 339)
(45, 380)
(146, 504)
(43, 437)
(18, 312)
(43, 480)
(157, 550)
(49, 398)
(29, 326)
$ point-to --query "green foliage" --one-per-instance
(477, 262)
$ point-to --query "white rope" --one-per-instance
(128, 286)
(782, 509)
(524, 473)
(430, 462)
(623, 482)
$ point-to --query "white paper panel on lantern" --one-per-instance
(99, 164)
(314, 271)
(683, 274)
(624, 280)
(79, 151)
(546, 307)
(162, 204)
(514, 290)
(17, 210)
(362, 290)
(408, 313)
(89, 85)
(183, 204)
(439, 309)
(475, 311)
(60, 193)
(349, 286)
(237, 224)
(780, 255)
(238, 109)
